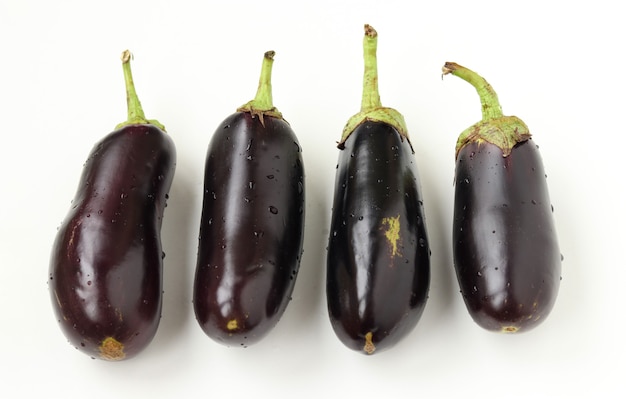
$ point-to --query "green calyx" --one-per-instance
(371, 107)
(135, 112)
(262, 104)
(495, 128)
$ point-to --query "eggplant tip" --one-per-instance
(112, 349)
(509, 329)
(126, 56)
(369, 346)
(370, 31)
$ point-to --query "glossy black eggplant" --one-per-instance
(505, 247)
(105, 276)
(378, 263)
(252, 223)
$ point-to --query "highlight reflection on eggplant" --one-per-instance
(252, 223)
(106, 265)
(506, 252)
(378, 263)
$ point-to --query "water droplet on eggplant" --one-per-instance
(273, 210)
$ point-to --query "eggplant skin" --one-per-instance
(106, 264)
(251, 229)
(378, 264)
(506, 252)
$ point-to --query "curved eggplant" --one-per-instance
(252, 223)
(378, 264)
(506, 252)
(106, 265)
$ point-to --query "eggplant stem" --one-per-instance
(135, 111)
(490, 104)
(371, 107)
(495, 128)
(136, 115)
(262, 104)
(371, 97)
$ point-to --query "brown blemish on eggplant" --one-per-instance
(369, 346)
(73, 234)
(112, 349)
(392, 233)
(232, 325)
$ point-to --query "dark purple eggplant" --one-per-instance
(378, 264)
(252, 222)
(106, 264)
(505, 247)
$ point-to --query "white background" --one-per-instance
(557, 65)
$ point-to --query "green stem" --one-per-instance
(371, 106)
(503, 131)
(491, 108)
(136, 115)
(262, 104)
(370, 98)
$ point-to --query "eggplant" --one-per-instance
(505, 246)
(105, 273)
(252, 222)
(378, 261)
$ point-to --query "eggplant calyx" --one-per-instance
(371, 107)
(504, 132)
(495, 128)
(262, 104)
(386, 115)
(135, 111)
